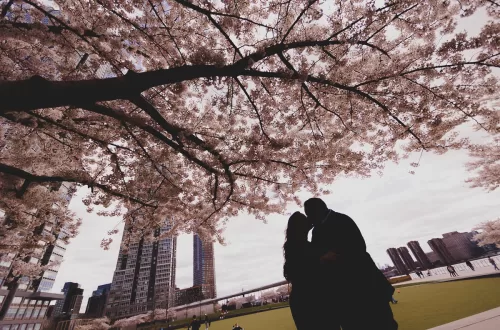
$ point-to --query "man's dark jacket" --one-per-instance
(353, 274)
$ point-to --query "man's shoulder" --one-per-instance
(337, 218)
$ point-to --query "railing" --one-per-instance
(478, 263)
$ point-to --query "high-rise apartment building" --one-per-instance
(433, 258)
(397, 261)
(72, 302)
(24, 303)
(407, 259)
(203, 265)
(461, 245)
(96, 305)
(437, 245)
(144, 278)
(419, 254)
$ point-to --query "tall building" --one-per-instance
(437, 245)
(203, 265)
(433, 258)
(397, 261)
(407, 259)
(461, 245)
(72, 302)
(96, 305)
(419, 254)
(24, 302)
(144, 278)
(188, 295)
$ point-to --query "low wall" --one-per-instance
(461, 266)
(399, 279)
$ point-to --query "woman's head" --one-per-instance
(298, 227)
(296, 233)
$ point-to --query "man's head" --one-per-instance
(194, 317)
(315, 210)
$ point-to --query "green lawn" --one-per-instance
(420, 307)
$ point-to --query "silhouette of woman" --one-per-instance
(301, 269)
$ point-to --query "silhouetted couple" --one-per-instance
(335, 282)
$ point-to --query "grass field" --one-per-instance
(420, 307)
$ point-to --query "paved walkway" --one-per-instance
(463, 274)
(489, 320)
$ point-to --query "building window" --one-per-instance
(29, 310)
(11, 312)
(17, 300)
(20, 313)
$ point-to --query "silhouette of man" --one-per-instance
(356, 291)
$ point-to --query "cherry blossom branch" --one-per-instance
(254, 106)
(346, 88)
(168, 30)
(208, 13)
(37, 92)
(308, 91)
(123, 117)
(137, 27)
(309, 4)
(433, 67)
(7, 169)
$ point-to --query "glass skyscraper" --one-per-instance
(144, 278)
(204, 266)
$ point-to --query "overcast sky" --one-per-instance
(390, 211)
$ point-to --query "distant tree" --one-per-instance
(158, 314)
(489, 233)
(95, 324)
(282, 290)
(197, 111)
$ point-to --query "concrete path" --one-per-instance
(489, 320)
(463, 274)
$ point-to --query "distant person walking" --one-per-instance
(207, 322)
(493, 263)
(452, 271)
(195, 324)
(237, 327)
(470, 265)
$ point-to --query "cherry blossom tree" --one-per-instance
(158, 314)
(489, 233)
(487, 161)
(94, 324)
(197, 111)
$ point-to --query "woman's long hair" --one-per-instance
(296, 222)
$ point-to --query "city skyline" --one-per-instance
(254, 250)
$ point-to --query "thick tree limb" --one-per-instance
(22, 174)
